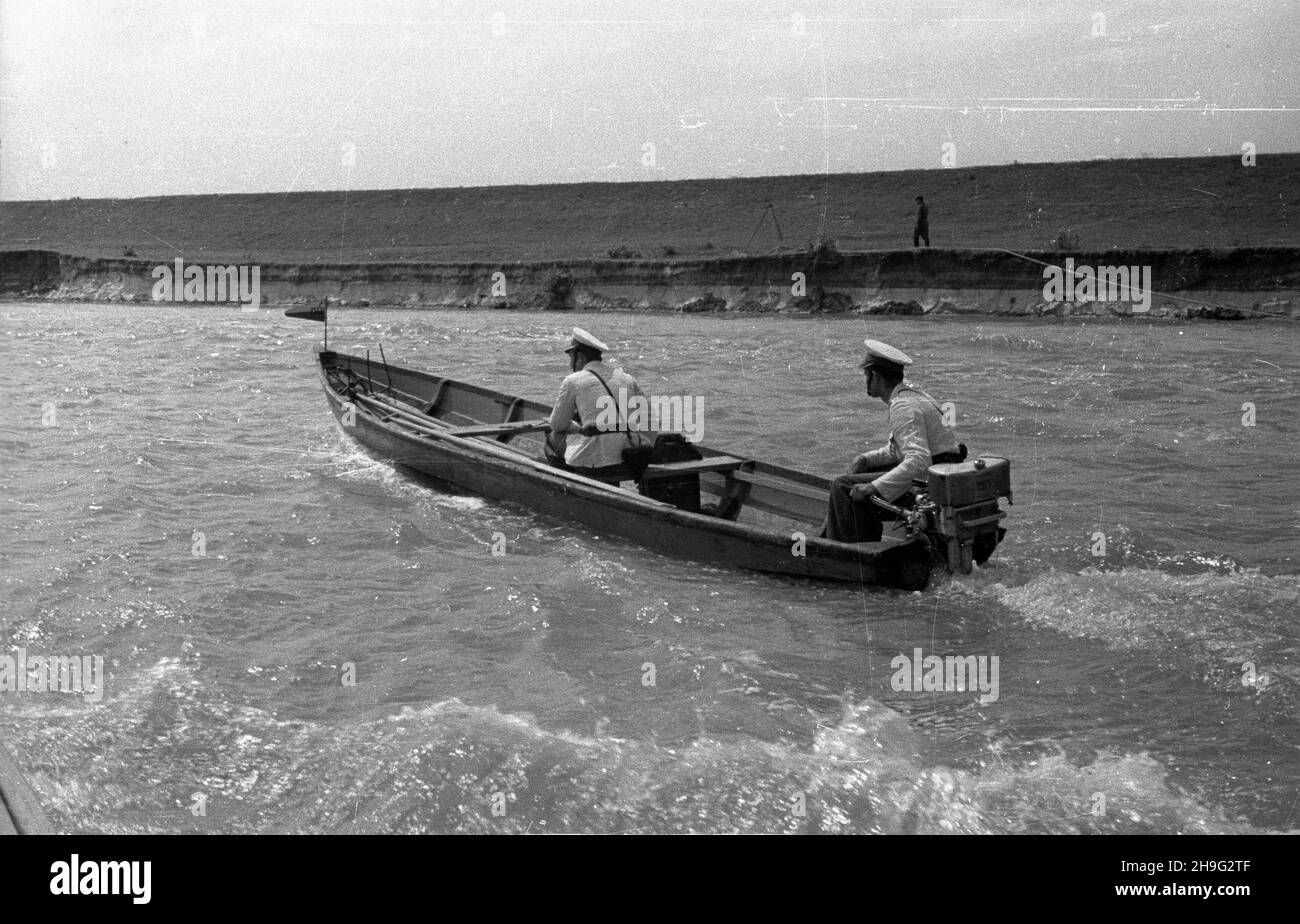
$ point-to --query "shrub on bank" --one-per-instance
(1066, 239)
(823, 247)
(559, 286)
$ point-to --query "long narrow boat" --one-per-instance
(763, 517)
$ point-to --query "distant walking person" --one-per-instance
(922, 230)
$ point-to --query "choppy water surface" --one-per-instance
(521, 675)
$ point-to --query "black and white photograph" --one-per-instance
(697, 417)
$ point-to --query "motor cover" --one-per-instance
(959, 484)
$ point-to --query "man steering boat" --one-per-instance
(918, 438)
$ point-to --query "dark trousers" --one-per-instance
(922, 233)
(848, 520)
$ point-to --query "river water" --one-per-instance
(347, 654)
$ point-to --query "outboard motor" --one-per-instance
(958, 510)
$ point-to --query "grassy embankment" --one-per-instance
(1128, 204)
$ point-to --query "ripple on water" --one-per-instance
(443, 768)
(1137, 609)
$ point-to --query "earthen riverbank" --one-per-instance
(1225, 284)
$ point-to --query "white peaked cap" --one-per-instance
(878, 350)
(582, 338)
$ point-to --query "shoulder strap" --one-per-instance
(924, 394)
(622, 424)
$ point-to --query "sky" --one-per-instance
(141, 98)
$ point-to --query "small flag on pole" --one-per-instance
(319, 313)
(307, 314)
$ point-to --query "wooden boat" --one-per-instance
(20, 810)
(763, 516)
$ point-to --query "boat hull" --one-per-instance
(481, 467)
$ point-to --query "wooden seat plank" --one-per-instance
(711, 464)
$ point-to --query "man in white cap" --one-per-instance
(917, 439)
(589, 450)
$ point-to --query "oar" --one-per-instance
(512, 427)
(520, 426)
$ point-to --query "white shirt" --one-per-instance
(579, 393)
(917, 433)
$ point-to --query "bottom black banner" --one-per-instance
(227, 874)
